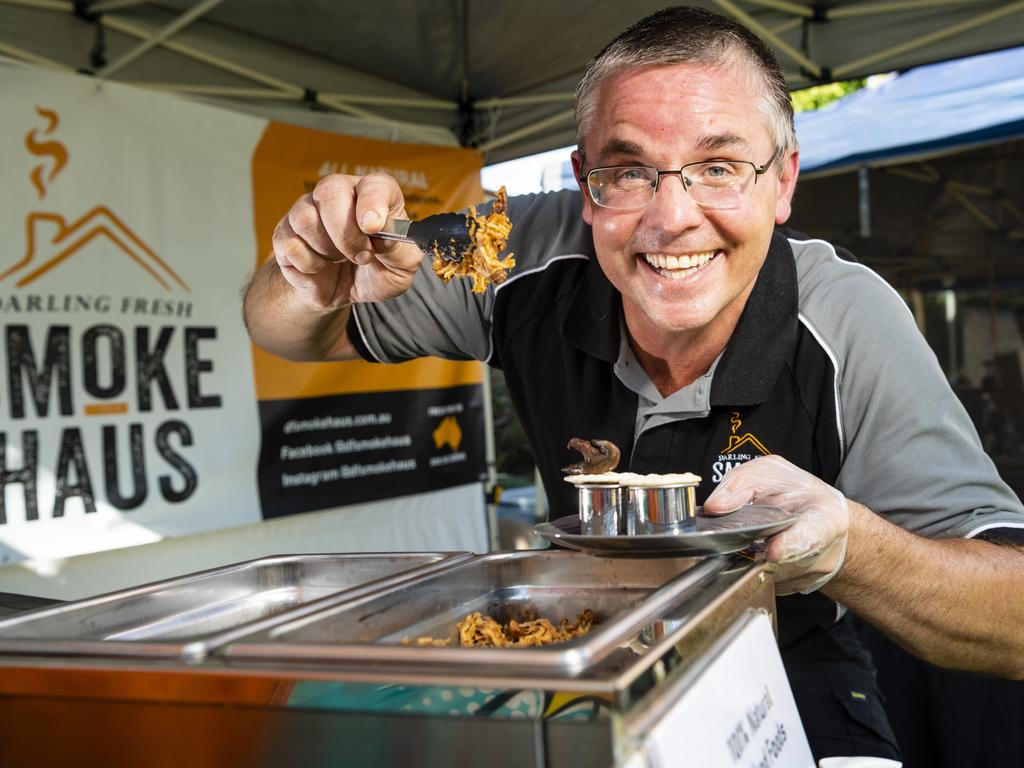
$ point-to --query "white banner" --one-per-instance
(129, 232)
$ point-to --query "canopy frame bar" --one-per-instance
(242, 92)
(105, 6)
(894, 6)
(45, 5)
(961, 192)
(529, 130)
(745, 18)
(33, 58)
(796, 9)
(295, 91)
(158, 37)
(859, 65)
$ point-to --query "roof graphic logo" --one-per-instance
(739, 441)
(44, 252)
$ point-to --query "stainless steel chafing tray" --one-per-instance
(626, 594)
(364, 705)
(186, 617)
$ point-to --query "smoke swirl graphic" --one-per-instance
(50, 149)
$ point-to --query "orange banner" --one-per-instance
(287, 164)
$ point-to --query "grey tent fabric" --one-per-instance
(494, 75)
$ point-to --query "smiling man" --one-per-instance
(662, 308)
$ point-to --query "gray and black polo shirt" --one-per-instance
(826, 368)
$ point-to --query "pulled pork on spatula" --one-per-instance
(488, 236)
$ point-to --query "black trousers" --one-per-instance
(834, 684)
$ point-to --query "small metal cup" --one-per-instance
(600, 508)
(662, 509)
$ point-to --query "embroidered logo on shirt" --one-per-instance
(742, 447)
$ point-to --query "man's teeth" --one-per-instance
(678, 266)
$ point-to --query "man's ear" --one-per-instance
(577, 171)
(787, 186)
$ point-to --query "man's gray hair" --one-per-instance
(691, 36)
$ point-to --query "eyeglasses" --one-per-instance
(714, 184)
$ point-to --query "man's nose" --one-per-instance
(673, 209)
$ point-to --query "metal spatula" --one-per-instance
(448, 231)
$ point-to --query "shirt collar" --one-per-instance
(763, 340)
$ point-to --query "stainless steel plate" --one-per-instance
(714, 535)
(187, 616)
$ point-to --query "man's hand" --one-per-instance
(296, 305)
(323, 249)
(811, 551)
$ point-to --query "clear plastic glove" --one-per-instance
(809, 552)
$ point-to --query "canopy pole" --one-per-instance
(864, 197)
(917, 304)
(993, 305)
(951, 308)
(491, 465)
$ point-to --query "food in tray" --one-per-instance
(634, 480)
(488, 238)
(479, 631)
(599, 456)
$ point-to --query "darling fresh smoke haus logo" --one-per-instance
(100, 381)
(742, 447)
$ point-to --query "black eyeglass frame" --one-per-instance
(585, 178)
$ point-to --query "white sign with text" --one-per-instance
(739, 713)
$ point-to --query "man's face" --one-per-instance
(679, 267)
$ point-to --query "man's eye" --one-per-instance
(626, 175)
(718, 170)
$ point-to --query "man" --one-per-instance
(675, 320)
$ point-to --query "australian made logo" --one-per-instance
(447, 434)
(742, 447)
(88, 375)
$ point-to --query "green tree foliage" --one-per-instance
(817, 96)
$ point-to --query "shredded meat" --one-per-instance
(483, 631)
(488, 237)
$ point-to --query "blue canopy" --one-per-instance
(923, 112)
